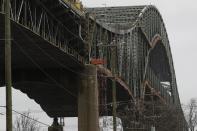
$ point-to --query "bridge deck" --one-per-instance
(25, 44)
(33, 58)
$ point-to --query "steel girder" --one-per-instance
(50, 23)
(143, 49)
(134, 42)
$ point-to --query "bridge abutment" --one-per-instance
(88, 109)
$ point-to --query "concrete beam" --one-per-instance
(88, 112)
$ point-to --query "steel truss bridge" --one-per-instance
(52, 42)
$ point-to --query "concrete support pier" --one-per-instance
(88, 112)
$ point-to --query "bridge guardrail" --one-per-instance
(39, 21)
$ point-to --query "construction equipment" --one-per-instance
(76, 3)
(97, 61)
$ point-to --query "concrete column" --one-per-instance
(88, 113)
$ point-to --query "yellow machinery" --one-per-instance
(77, 4)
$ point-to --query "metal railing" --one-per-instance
(39, 20)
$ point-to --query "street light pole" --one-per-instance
(113, 47)
(8, 79)
(114, 87)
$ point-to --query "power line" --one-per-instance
(48, 55)
(33, 111)
(28, 117)
(53, 78)
(52, 58)
(56, 62)
(49, 76)
(31, 118)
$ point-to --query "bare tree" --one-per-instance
(191, 114)
(25, 123)
(170, 118)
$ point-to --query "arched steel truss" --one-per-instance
(136, 37)
(143, 54)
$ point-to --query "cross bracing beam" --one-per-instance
(46, 24)
(138, 49)
(150, 23)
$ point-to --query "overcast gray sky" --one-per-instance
(180, 17)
